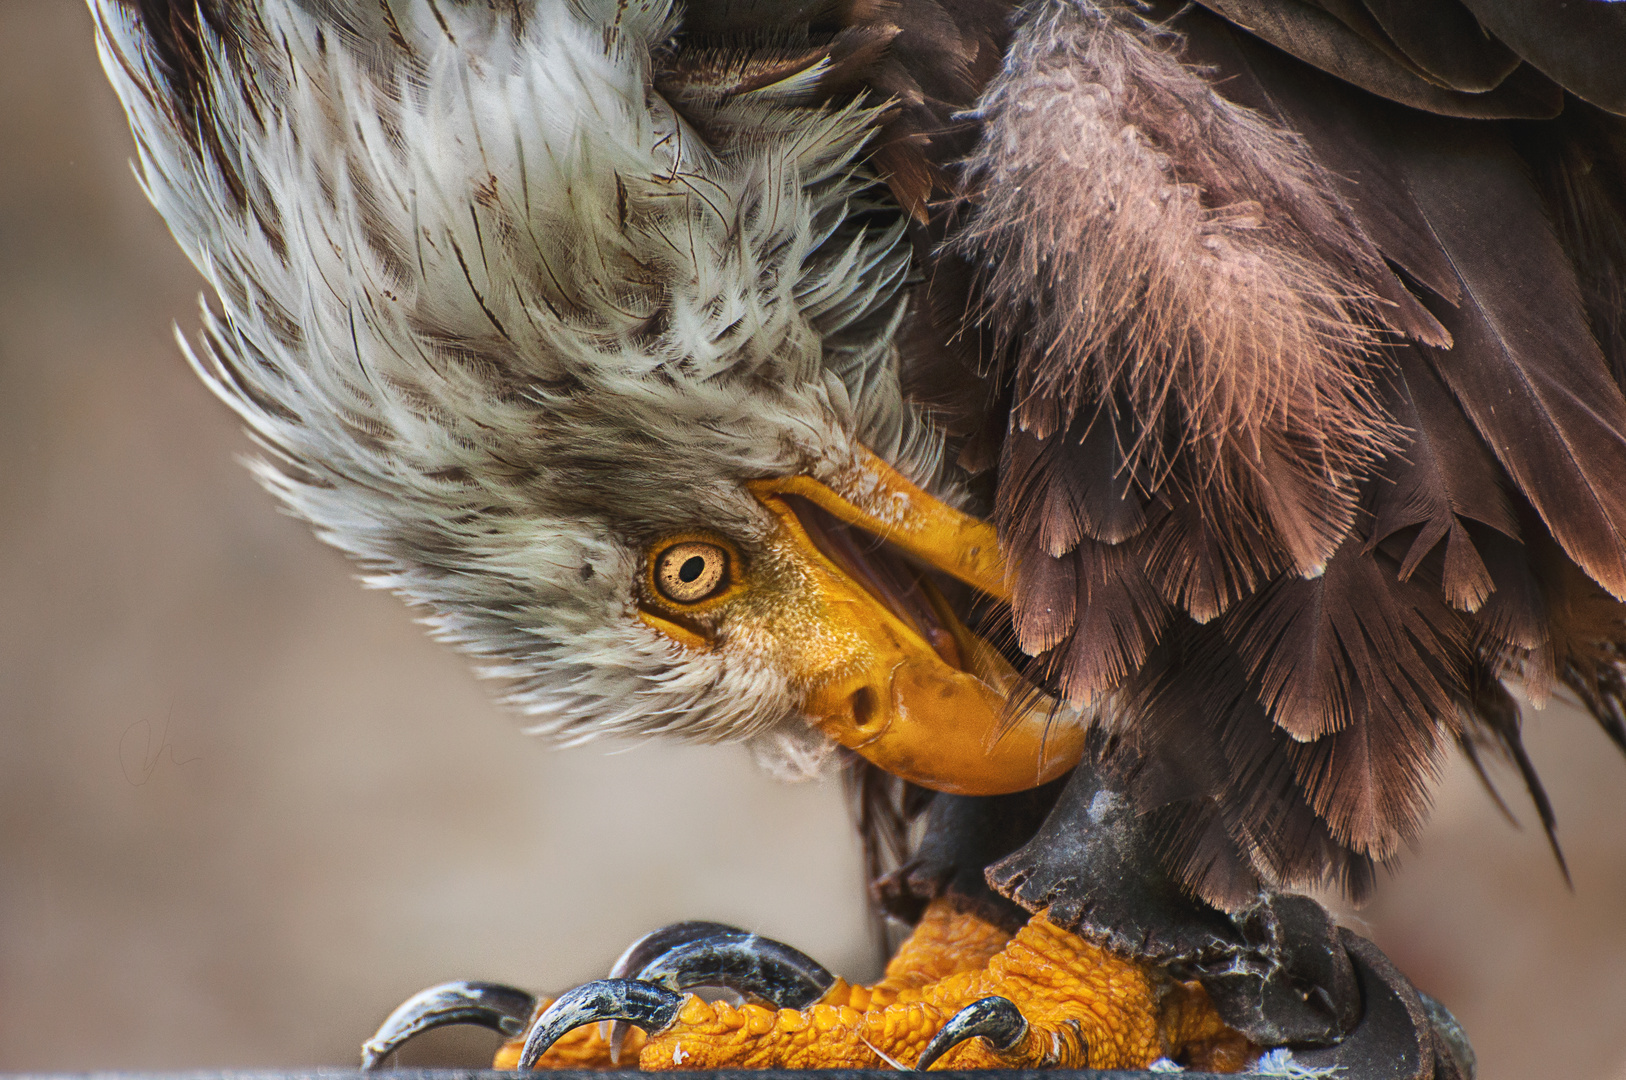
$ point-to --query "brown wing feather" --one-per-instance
(1084, 607)
(1579, 164)
(1363, 670)
(1216, 776)
(1446, 42)
(1203, 561)
(1444, 478)
(1294, 627)
(1317, 37)
(1112, 224)
(1499, 727)
(1331, 652)
(1525, 367)
(1120, 618)
(1512, 628)
(1577, 45)
(1338, 122)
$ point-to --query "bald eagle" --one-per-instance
(1139, 440)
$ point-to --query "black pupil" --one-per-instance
(692, 568)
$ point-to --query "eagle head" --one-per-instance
(593, 360)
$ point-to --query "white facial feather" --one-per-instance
(500, 317)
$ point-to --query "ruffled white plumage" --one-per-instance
(477, 282)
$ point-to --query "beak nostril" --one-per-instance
(863, 707)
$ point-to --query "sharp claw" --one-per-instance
(996, 1019)
(490, 1005)
(654, 944)
(642, 1004)
(760, 967)
(657, 943)
(689, 955)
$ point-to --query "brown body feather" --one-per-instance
(1308, 383)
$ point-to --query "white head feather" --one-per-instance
(500, 317)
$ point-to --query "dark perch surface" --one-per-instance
(575, 1074)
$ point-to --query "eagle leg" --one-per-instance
(1083, 1006)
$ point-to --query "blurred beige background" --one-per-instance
(246, 807)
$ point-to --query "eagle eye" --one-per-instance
(691, 571)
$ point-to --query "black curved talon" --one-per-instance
(503, 1009)
(658, 943)
(644, 1005)
(759, 967)
(650, 947)
(995, 1018)
(687, 955)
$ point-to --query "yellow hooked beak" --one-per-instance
(884, 665)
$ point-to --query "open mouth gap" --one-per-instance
(891, 577)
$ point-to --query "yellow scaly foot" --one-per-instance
(1080, 1006)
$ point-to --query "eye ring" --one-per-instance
(691, 571)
